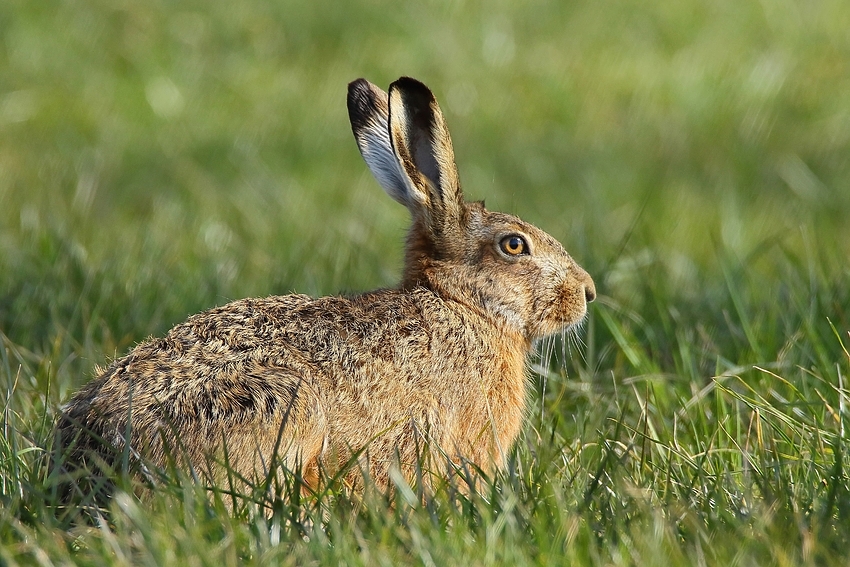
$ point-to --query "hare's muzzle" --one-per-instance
(586, 283)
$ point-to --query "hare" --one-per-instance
(305, 385)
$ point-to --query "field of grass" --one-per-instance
(159, 158)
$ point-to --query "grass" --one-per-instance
(157, 159)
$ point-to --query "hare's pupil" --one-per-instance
(514, 245)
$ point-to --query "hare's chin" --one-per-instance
(551, 328)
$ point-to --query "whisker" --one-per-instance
(566, 350)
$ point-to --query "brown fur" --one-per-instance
(438, 362)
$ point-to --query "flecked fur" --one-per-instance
(439, 362)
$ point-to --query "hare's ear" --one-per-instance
(421, 142)
(368, 111)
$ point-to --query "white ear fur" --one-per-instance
(368, 111)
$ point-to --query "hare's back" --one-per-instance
(248, 359)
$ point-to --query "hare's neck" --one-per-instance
(507, 394)
(417, 253)
(497, 318)
(490, 376)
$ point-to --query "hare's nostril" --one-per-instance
(589, 292)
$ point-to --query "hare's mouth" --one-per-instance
(562, 315)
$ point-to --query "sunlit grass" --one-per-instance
(158, 159)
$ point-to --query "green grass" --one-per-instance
(160, 158)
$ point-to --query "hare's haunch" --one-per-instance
(437, 364)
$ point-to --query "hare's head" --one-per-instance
(495, 262)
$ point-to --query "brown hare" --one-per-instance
(437, 364)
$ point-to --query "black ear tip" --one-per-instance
(363, 102)
(358, 86)
(409, 83)
(360, 94)
(410, 87)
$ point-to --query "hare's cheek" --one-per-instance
(508, 311)
(548, 316)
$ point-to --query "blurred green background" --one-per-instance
(157, 158)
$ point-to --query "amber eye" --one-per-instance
(513, 245)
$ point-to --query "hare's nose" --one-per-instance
(590, 291)
(589, 286)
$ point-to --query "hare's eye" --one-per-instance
(513, 245)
